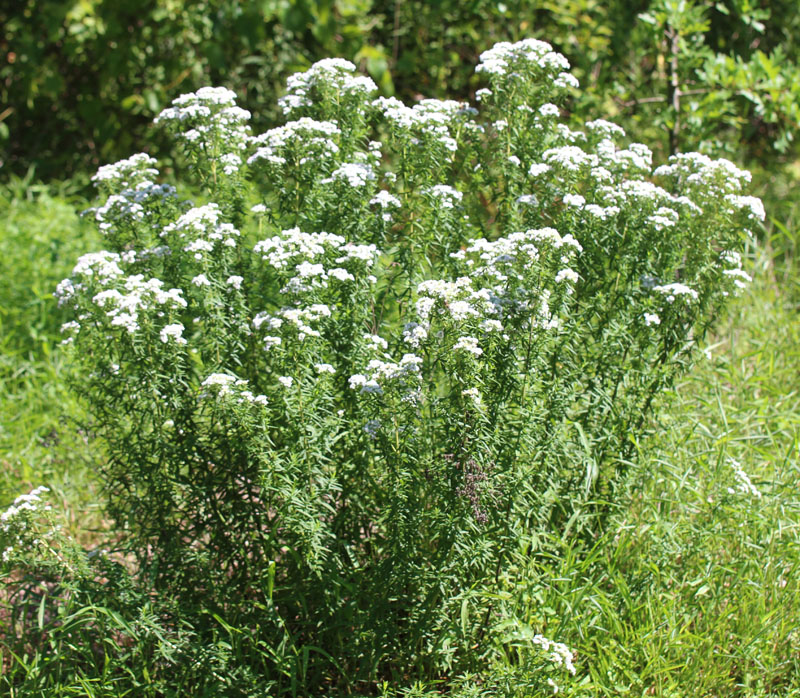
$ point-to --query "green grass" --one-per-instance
(41, 442)
(693, 591)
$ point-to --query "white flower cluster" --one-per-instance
(293, 246)
(172, 333)
(457, 300)
(427, 123)
(101, 268)
(538, 168)
(565, 134)
(751, 205)
(505, 61)
(699, 171)
(673, 292)
(72, 328)
(65, 292)
(570, 157)
(550, 111)
(382, 374)
(386, 202)
(505, 264)
(376, 342)
(743, 482)
(496, 258)
(210, 117)
(559, 653)
(443, 196)
(128, 172)
(573, 200)
(139, 296)
(201, 230)
(615, 180)
(469, 345)
(329, 74)
(663, 218)
(603, 129)
(299, 319)
(30, 503)
(414, 334)
(355, 174)
(451, 109)
(600, 213)
(300, 142)
(131, 204)
(636, 157)
(14, 520)
(225, 385)
(737, 277)
(305, 256)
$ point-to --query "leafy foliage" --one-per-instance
(81, 81)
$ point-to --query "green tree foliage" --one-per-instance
(81, 80)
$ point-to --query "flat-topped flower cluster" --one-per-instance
(17, 522)
(390, 337)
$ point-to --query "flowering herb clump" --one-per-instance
(389, 343)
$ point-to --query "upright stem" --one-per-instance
(674, 90)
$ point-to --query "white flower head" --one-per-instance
(468, 344)
(173, 333)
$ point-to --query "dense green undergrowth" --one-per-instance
(697, 586)
(40, 439)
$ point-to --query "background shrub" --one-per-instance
(81, 81)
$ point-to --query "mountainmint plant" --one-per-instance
(387, 348)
